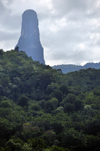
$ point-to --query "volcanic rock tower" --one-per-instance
(29, 40)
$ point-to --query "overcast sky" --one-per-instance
(69, 29)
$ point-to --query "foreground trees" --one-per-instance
(43, 109)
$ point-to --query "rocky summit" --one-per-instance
(29, 40)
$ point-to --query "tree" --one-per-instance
(17, 48)
(49, 106)
(68, 107)
(57, 94)
(57, 127)
(1, 51)
(64, 89)
(54, 102)
(59, 71)
(23, 100)
(37, 144)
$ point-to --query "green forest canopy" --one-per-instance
(43, 109)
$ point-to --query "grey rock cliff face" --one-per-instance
(29, 40)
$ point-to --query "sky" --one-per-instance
(69, 29)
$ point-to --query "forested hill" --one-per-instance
(43, 109)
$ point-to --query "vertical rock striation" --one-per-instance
(29, 40)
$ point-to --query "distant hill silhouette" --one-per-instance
(71, 67)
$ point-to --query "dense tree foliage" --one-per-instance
(43, 109)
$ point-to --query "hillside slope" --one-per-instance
(43, 109)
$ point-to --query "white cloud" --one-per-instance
(69, 29)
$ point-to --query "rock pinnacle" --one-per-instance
(29, 40)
